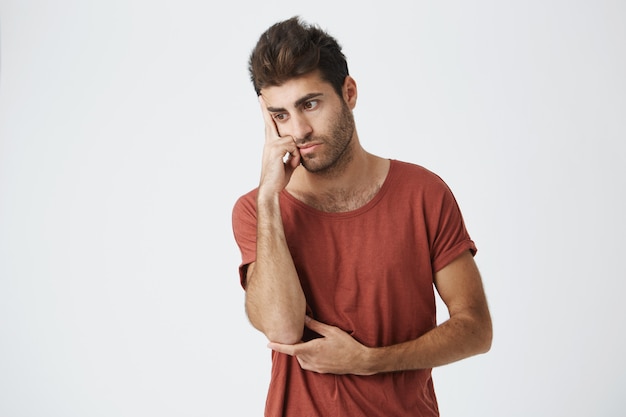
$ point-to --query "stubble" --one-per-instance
(338, 152)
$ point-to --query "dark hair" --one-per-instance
(292, 48)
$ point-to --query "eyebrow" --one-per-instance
(298, 102)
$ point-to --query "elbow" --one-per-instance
(283, 333)
(485, 342)
(278, 328)
(284, 336)
(485, 338)
(478, 335)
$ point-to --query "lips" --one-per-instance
(307, 148)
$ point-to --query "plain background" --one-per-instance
(129, 128)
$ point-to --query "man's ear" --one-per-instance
(349, 92)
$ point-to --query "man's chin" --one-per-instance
(310, 165)
(316, 166)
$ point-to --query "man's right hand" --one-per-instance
(275, 170)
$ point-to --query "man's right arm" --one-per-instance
(275, 302)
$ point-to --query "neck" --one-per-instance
(349, 187)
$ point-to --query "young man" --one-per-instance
(342, 250)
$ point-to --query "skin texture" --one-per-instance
(328, 169)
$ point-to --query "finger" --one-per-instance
(317, 326)
(279, 347)
(293, 158)
(270, 125)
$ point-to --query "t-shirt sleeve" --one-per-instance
(244, 230)
(450, 238)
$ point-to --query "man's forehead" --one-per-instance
(294, 90)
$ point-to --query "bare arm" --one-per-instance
(275, 303)
(467, 332)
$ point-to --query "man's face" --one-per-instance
(309, 110)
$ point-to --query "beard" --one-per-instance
(336, 145)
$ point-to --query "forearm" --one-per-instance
(468, 331)
(275, 302)
(460, 337)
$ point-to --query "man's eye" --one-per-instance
(311, 104)
(280, 116)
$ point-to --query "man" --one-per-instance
(341, 249)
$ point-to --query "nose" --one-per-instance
(300, 127)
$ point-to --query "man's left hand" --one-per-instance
(335, 353)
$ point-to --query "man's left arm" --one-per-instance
(467, 332)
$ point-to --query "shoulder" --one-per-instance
(245, 204)
(414, 175)
(413, 169)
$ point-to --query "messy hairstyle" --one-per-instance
(292, 48)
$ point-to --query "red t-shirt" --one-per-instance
(370, 273)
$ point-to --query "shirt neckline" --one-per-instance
(344, 214)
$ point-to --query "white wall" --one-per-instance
(129, 128)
